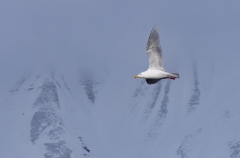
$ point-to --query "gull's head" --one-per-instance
(141, 75)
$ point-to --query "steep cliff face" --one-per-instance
(54, 115)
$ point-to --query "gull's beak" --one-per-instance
(136, 77)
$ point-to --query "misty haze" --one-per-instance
(68, 88)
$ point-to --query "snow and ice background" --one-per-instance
(67, 86)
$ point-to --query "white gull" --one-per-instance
(155, 71)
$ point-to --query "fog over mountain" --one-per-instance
(67, 86)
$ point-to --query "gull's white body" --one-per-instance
(156, 74)
(155, 71)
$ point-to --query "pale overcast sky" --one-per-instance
(99, 33)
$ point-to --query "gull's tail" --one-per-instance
(176, 74)
(172, 76)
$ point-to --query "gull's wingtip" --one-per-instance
(155, 27)
(153, 39)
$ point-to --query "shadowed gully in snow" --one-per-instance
(195, 97)
(155, 95)
(58, 150)
(18, 84)
(89, 86)
(188, 144)
(162, 112)
(235, 149)
(141, 90)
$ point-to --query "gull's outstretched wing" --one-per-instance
(154, 51)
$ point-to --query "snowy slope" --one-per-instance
(39, 119)
(53, 115)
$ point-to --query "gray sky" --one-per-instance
(89, 34)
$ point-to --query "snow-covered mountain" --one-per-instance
(102, 115)
(78, 97)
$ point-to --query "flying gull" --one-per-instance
(155, 71)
